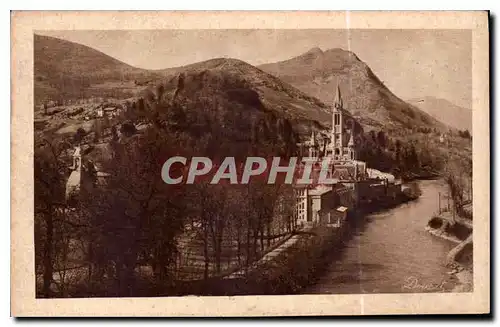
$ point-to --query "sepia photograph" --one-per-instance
(255, 161)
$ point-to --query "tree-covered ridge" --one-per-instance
(136, 222)
(66, 70)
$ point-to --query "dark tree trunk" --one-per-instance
(254, 248)
(262, 240)
(205, 253)
(47, 255)
(127, 283)
(248, 250)
(218, 253)
(90, 259)
(269, 235)
(238, 235)
(215, 250)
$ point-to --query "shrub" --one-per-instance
(128, 129)
(79, 135)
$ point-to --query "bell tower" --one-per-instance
(77, 159)
(74, 181)
(337, 126)
(313, 152)
(350, 145)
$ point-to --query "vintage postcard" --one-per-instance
(250, 163)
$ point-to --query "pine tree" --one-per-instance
(114, 133)
(381, 139)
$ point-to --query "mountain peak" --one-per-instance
(367, 98)
(315, 50)
(343, 53)
(66, 70)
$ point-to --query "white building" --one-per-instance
(86, 174)
(74, 181)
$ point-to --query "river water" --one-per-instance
(390, 252)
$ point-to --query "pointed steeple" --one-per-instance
(312, 145)
(334, 111)
(313, 138)
(350, 144)
(351, 139)
(74, 181)
(77, 158)
(338, 104)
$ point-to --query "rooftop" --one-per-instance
(342, 209)
(320, 190)
(374, 173)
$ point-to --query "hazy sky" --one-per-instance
(412, 63)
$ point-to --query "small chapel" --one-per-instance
(85, 173)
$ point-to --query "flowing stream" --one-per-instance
(390, 252)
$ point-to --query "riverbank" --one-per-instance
(389, 252)
(295, 267)
(364, 255)
(460, 259)
(459, 231)
(465, 280)
(299, 267)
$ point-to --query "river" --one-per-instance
(390, 252)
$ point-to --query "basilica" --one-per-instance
(340, 144)
(355, 184)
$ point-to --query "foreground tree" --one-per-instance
(49, 172)
(134, 219)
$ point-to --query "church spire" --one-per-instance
(313, 138)
(351, 139)
(77, 158)
(338, 104)
(312, 145)
(350, 144)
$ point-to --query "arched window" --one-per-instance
(337, 151)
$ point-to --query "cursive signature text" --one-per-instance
(412, 283)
